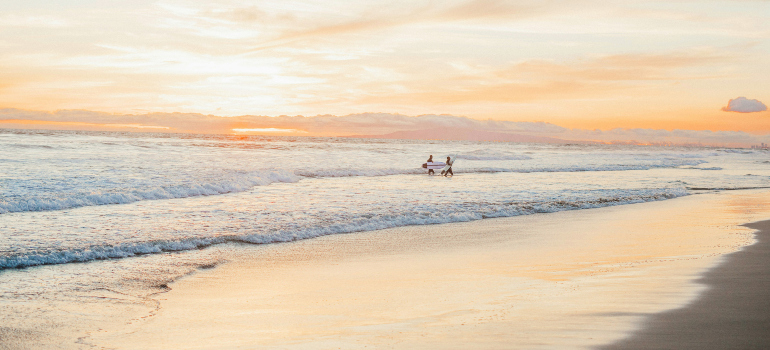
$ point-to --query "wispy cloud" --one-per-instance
(280, 29)
(33, 21)
(540, 80)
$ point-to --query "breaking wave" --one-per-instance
(243, 182)
(491, 155)
(81, 199)
(458, 212)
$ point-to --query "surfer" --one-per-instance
(430, 160)
(448, 171)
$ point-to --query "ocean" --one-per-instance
(108, 218)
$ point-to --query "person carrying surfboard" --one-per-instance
(432, 166)
(448, 167)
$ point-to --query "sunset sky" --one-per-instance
(576, 64)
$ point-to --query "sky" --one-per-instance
(580, 64)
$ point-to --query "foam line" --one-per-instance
(244, 182)
(457, 213)
(75, 200)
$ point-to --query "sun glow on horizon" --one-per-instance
(270, 130)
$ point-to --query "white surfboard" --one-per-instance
(434, 165)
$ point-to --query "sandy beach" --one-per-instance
(731, 314)
(580, 279)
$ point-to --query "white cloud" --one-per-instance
(744, 105)
(17, 20)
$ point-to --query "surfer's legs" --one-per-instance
(449, 171)
(431, 172)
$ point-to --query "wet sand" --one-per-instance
(733, 313)
(574, 280)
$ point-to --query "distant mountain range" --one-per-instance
(461, 134)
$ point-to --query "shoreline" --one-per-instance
(732, 313)
(453, 285)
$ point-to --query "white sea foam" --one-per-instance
(598, 168)
(491, 155)
(695, 155)
(652, 164)
(104, 252)
(734, 150)
(70, 200)
(453, 212)
(356, 172)
(240, 182)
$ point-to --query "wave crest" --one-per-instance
(458, 213)
(74, 200)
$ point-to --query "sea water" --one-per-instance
(103, 217)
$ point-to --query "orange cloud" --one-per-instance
(358, 124)
(418, 13)
(83, 125)
(539, 80)
(498, 9)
